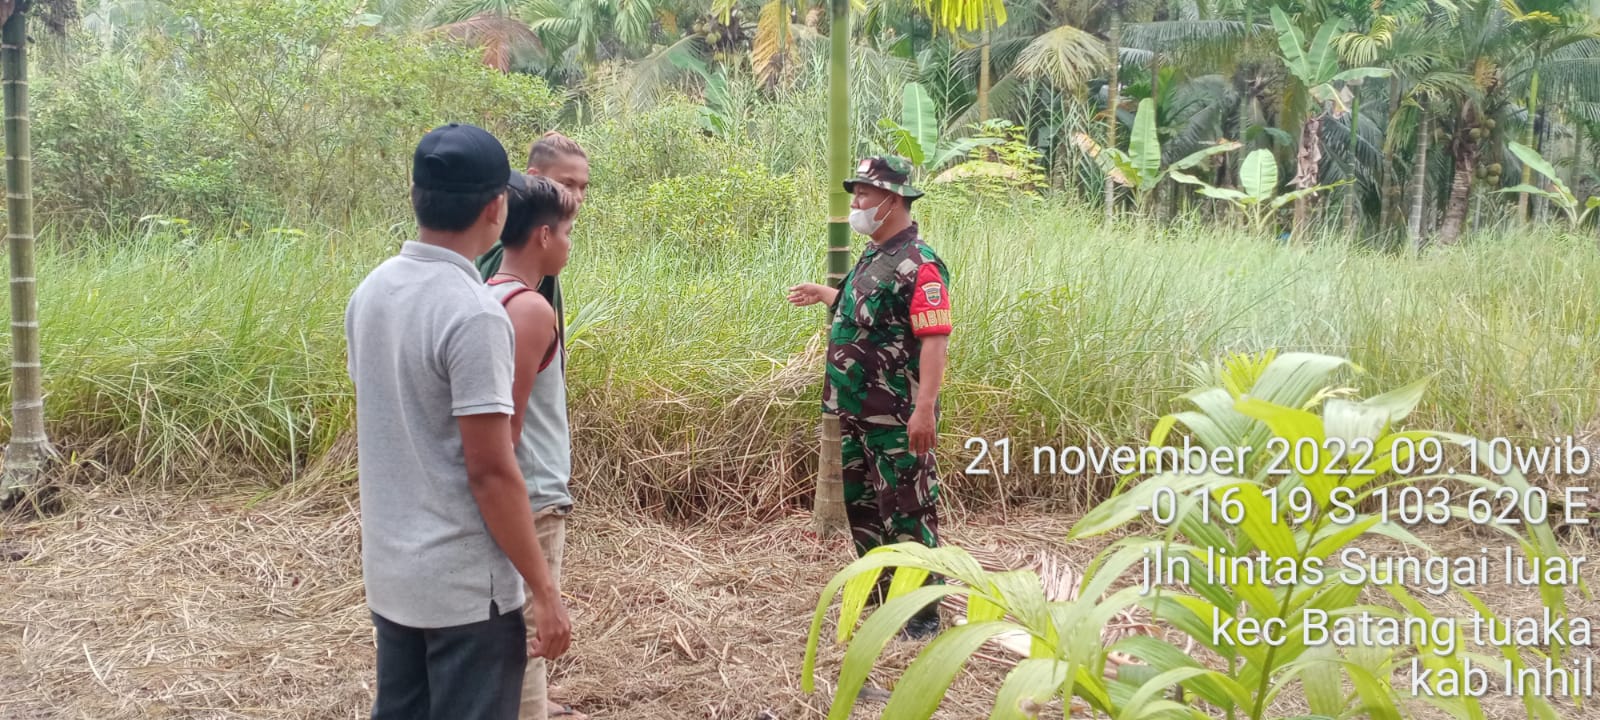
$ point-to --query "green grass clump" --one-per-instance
(691, 386)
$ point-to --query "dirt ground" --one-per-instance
(231, 605)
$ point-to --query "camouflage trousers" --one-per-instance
(890, 493)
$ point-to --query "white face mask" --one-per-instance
(862, 220)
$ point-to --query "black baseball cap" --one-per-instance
(460, 158)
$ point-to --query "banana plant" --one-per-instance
(1259, 200)
(916, 136)
(1140, 167)
(1297, 498)
(1562, 196)
(1314, 69)
(1316, 66)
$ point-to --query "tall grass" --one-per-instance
(173, 348)
(693, 386)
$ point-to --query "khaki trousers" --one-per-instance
(552, 529)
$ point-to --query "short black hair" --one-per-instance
(448, 211)
(534, 201)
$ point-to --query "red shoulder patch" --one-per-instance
(930, 303)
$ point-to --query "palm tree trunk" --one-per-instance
(1174, 192)
(1579, 147)
(1477, 211)
(1352, 197)
(1541, 205)
(1527, 171)
(1390, 192)
(1302, 204)
(1236, 163)
(828, 513)
(1464, 152)
(1164, 189)
(1580, 144)
(1069, 179)
(29, 450)
(1113, 93)
(1419, 182)
(1455, 211)
(983, 73)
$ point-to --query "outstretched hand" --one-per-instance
(810, 294)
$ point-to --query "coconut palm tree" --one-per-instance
(1542, 28)
(1491, 53)
(28, 452)
(1068, 54)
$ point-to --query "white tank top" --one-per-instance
(544, 450)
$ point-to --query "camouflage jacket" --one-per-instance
(897, 294)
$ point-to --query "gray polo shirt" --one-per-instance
(427, 343)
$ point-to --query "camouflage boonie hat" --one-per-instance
(890, 172)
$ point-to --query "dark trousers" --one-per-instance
(470, 672)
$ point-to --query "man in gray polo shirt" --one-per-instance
(447, 534)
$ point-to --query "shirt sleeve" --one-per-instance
(479, 359)
(930, 302)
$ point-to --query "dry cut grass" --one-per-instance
(230, 605)
(222, 606)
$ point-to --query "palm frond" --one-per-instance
(881, 66)
(445, 12)
(550, 21)
(951, 84)
(556, 32)
(1003, 54)
(1585, 111)
(1026, 20)
(633, 20)
(1409, 38)
(1135, 57)
(648, 77)
(1196, 110)
(1577, 75)
(1335, 137)
(1066, 56)
(1446, 85)
(536, 10)
(1007, 98)
(563, 70)
(1416, 11)
(773, 41)
(1204, 43)
(1173, 35)
(499, 36)
(1360, 49)
(721, 9)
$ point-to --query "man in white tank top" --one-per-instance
(536, 245)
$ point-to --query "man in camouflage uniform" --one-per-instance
(886, 361)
